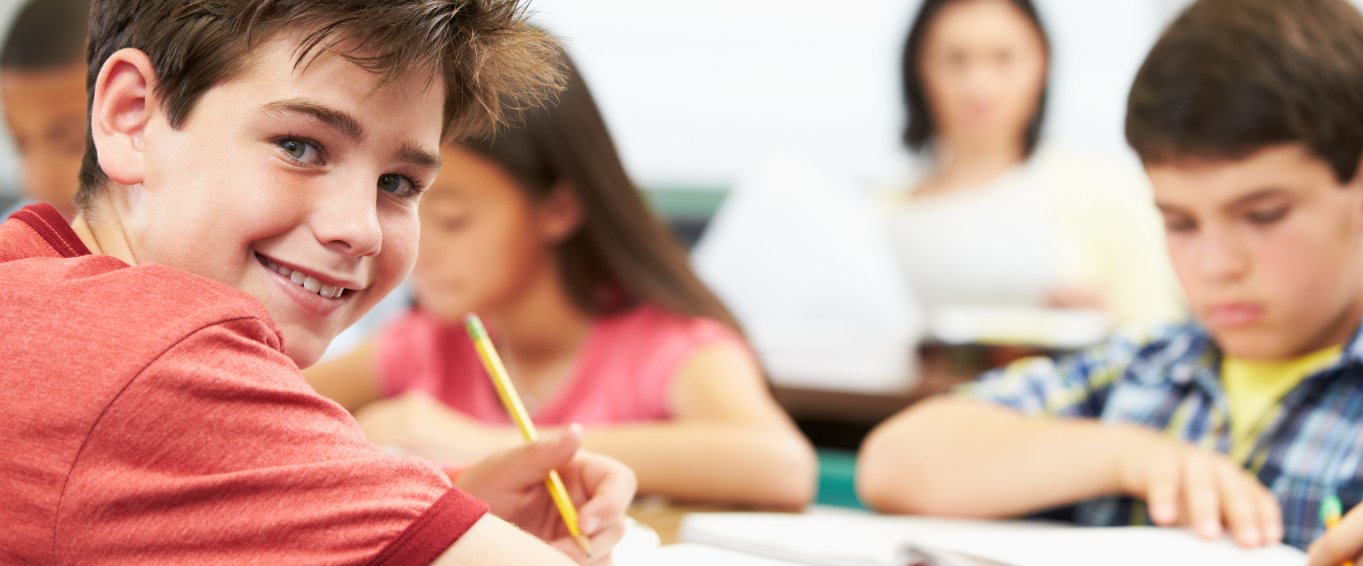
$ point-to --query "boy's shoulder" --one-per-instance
(65, 307)
(103, 302)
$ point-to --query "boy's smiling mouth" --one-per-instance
(320, 285)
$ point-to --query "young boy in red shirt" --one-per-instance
(249, 189)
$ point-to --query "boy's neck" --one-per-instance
(543, 325)
(99, 225)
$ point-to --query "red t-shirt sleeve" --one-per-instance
(219, 452)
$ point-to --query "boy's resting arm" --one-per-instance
(1029, 440)
(961, 457)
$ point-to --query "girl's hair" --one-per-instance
(622, 255)
(919, 130)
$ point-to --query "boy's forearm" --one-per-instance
(729, 463)
(960, 457)
(494, 541)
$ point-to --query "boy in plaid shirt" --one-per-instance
(1248, 116)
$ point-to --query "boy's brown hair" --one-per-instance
(1231, 77)
(489, 59)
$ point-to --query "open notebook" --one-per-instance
(834, 538)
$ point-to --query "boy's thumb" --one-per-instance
(545, 455)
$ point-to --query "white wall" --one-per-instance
(695, 89)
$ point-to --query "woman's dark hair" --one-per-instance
(622, 255)
(919, 130)
(1229, 78)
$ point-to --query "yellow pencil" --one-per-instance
(502, 381)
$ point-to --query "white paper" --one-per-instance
(854, 539)
(703, 555)
(806, 262)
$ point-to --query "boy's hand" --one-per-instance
(1342, 543)
(1185, 485)
(512, 484)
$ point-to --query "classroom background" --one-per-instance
(699, 93)
(693, 91)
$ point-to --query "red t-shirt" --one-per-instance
(150, 416)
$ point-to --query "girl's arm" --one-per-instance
(728, 441)
(352, 379)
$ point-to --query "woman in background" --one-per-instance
(992, 217)
(596, 312)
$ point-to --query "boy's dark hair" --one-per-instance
(488, 58)
(1231, 77)
(919, 129)
(47, 34)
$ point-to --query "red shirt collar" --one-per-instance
(50, 224)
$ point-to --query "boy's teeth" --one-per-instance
(307, 282)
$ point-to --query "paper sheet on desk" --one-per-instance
(806, 262)
(838, 539)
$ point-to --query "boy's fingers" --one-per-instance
(1162, 492)
(532, 462)
(1238, 504)
(604, 541)
(610, 487)
(1201, 498)
(602, 546)
(1270, 514)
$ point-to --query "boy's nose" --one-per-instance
(348, 221)
(1223, 257)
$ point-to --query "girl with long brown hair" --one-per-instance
(594, 307)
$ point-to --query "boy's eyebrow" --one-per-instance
(1166, 208)
(337, 119)
(1260, 194)
(1239, 202)
(413, 154)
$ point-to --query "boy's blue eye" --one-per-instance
(300, 150)
(400, 185)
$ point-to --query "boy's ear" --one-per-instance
(119, 112)
(560, 213)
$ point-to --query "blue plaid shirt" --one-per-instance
(1313, 444)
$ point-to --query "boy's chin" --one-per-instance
(305, 350)
(1254, 346)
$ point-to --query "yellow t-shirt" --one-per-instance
(1254, 389)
